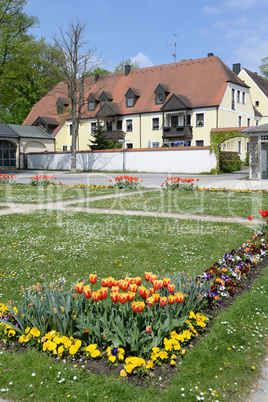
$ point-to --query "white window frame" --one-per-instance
(129, 143)
(200, 125)
(239, 147)
(238, 96)
(130, 101)
(92, 122)
(155, 144)
(126, 125)
(200, 140)
(155, 117)
(70, 128)
(244, 98)
(66, 148)
(158, 100)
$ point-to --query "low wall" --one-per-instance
(173, 160)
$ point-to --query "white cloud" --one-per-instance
(142, 60)
(251, 51)
(212, 10)
(244, 5)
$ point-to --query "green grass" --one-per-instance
(196, 202)
(72, 245)
(26, 193)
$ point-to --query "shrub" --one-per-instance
(229, 162)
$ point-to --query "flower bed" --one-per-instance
(176, 183)
(6, 179)
(137, 323)
(126, 182)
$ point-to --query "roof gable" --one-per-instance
(176, 102)
(260, 81)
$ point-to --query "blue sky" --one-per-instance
(143, 30)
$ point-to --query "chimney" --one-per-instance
(210, 54)
(127, 70)
(236, 68)
(97, 76)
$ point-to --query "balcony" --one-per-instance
(178, 132)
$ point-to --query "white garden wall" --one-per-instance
(173, 160)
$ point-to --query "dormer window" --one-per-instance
(160, 98)
(92, 102)
(131, 97)
(105, 97)
(62, 104)
(130, 102)
(161, 93)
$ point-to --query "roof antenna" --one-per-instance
(175, 44)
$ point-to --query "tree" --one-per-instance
(123, 63)
(100, 141)
(99, 71)
(264, 67)
(28, 68)
(74, 68)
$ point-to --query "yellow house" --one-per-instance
(169, 105)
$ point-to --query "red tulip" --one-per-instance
(171, 299)
(92, 278)
(87, 291)
(150, 301)
(137, 281)
(130, 296)
(95, 296)
(104, 282)
(115, 297)
(166, 281)
(163, 301)
(141, 290)
(148, 330)
(171, 287)
(156, 297)
(110, 282)
(147, 276)
(250, 217)
(179, 297)
(103, 292)
(123, 297)
(79, 287)
(133, 288)
(123, 285)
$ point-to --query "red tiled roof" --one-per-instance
(218, 130)
(261, 82)
(202, 82)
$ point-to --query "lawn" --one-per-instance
(57, 244)
(194, 202)
(71, 245)
(26, 193)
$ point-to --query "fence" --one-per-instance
(172, 160)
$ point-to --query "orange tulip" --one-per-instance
(122, 298)
(95, 296)
(79, 287)
(87, 291)
(104, 282)
(115, 297)
(130, 296)
(171, 299)
(138, 307)
(103, 292)
(128, 279)
(146, 294)
(179, 297)
(150, 301)
(153, 278)
(137, 281)
(92, 278)
(171, 288)
(115, 289)
(157, 284)
(163, 301)
(141, 290)
(166, 281)
(147, 276)
(156, 297)
(110, 282)
(133, 288)
(123, 285)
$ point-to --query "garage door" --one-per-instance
(7, 154)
